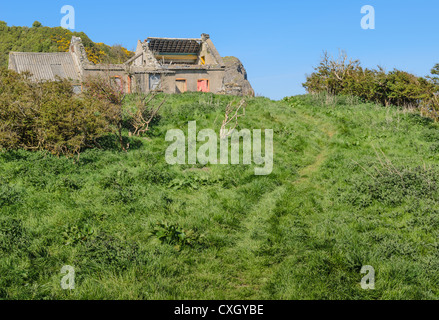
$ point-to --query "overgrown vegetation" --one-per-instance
(344, 76)
(46, 39)
(49, 116)
(353, 184)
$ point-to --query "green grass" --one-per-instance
(353, 184)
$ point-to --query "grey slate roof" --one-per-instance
(44, 66)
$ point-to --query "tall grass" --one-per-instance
(353, 184)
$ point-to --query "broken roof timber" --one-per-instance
(174, 46)
(134, 58)
(157, 38)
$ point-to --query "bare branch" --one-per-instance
(228, 118)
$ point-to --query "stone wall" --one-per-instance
(235, 78)
(225, 75)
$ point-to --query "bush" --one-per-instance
(48, 116)
(347, 77)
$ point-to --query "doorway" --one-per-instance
(180, 85)
(203, 85)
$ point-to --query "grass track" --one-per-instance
(330, 206)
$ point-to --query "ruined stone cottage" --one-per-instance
(159, 64)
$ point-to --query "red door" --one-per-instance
(203, 85)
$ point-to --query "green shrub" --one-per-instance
(173, 234)
(347, 77)
(48, 116)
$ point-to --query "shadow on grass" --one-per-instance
(111, 142)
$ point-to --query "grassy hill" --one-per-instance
(353, 184)
(46, 39)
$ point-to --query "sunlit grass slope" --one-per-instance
(353, 184)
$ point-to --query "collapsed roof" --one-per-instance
(174, 46)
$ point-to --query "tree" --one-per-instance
(37, 24)
(45, 39)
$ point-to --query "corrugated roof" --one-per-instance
(45, 66)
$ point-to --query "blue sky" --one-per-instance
(278, 41)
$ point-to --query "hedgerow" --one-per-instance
(48, 116)
(344, 76)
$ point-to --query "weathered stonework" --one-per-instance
(235, 79)
(159, 64)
